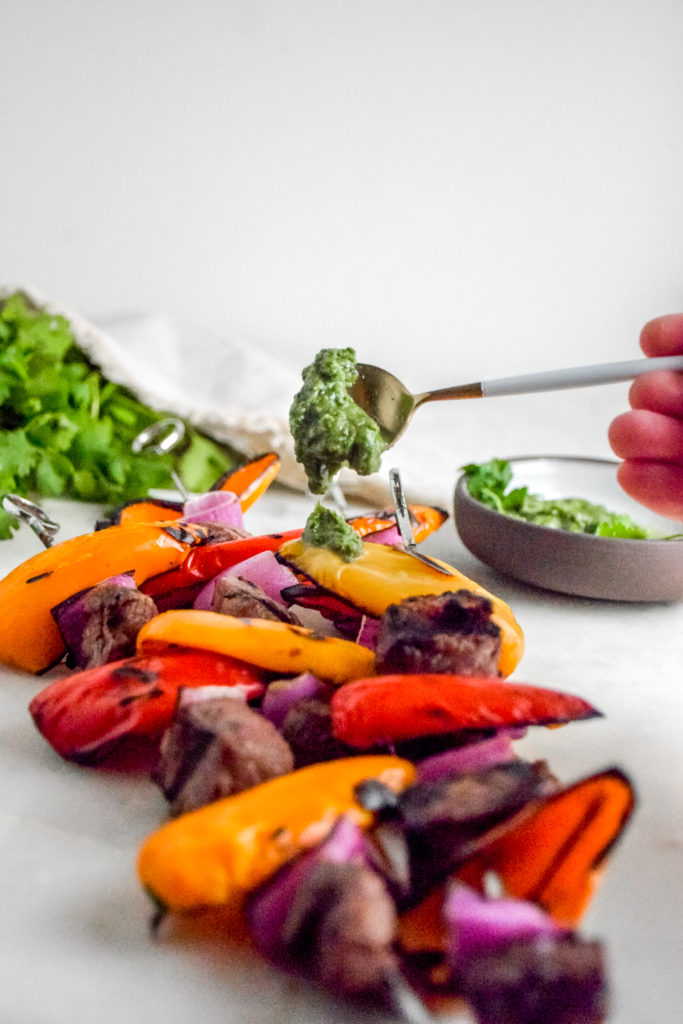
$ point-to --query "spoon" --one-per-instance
(391, 405)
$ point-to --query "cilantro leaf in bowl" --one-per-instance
(488, 482)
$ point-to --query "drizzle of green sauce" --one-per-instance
(326, 529)
(329, 429)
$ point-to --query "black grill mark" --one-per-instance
(40, 576)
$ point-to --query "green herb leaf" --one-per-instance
(66, 431)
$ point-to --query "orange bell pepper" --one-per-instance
(251, 479)
(215, 855)
(383, 575)
(30, 638)
(553, 851)
(276, 646)
(248, 481)
(424, 519)
(145, 510)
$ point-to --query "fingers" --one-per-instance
(656, 485)
(660, 391)
(649, 438)
(643, 434)
(663, 336)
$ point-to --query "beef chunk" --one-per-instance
(113, 617)
(215, 747)
(245, 600)
(443, 820)
(540, 981)
(450, 632)
(341, 927)
(218, 533)
(308, 730)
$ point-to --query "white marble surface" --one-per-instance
(73, 933)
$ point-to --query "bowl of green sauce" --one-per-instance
(564, 524)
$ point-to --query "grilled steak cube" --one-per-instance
(215, 747)
(450, 632)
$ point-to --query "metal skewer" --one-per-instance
(405, 1002)
(162, 437)
(404, 525)
(33, 515)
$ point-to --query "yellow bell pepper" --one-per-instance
(276, 646)
(383, 575)
(215, 855)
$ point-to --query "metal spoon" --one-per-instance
(391, 405)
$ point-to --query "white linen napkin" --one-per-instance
(226, 387)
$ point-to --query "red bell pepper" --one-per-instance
(381, 709)
(179, 587)
(84, 716)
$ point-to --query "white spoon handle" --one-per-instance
(578, 376)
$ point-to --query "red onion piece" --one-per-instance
(390, 536)
(282, 694)
(471, 758)
(268, 907)
(266, 572)
(214, 507)
(478, 924)
(262, 569)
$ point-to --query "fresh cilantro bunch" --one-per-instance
(66, 431)
(488, 483)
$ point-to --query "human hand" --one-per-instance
(649, 438)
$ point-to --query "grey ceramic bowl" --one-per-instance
(570, 563)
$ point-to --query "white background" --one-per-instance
(458, 189)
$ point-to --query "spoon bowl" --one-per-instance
(390, 404)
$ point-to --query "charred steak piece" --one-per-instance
(442, 820)
(538, 981)
(217, 746)
(219, 533)
(308, 730)
(245, 600)
(341, 926)
(113, 616)
(450, 632)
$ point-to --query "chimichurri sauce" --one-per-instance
(488, 483)
(329, 429)
(325, 529)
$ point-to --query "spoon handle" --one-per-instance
(577, 376)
